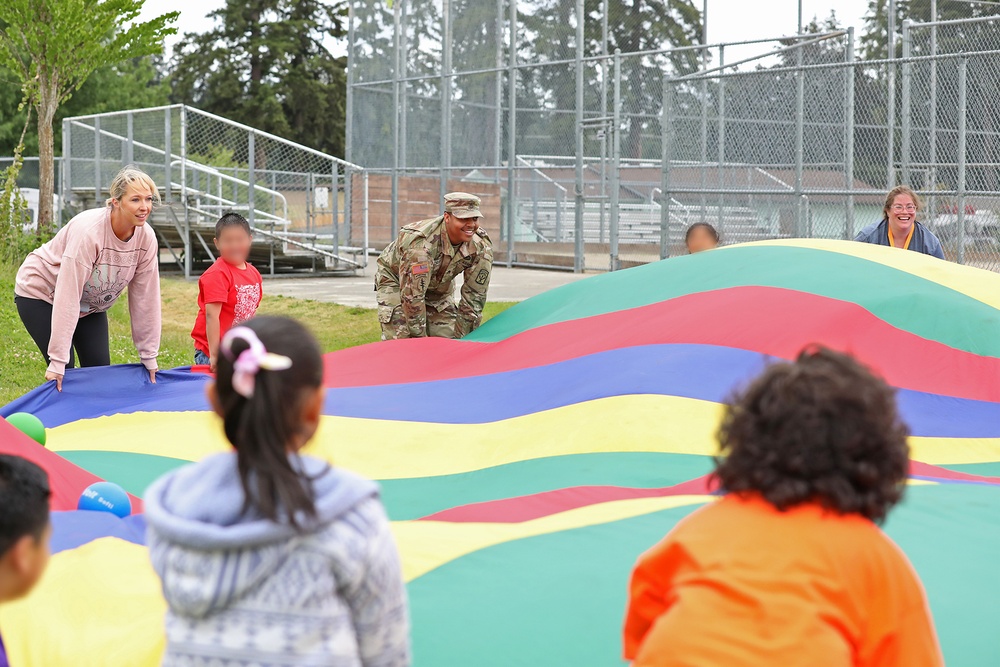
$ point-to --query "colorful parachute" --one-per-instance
(527, 466)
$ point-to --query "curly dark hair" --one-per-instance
(821, 429)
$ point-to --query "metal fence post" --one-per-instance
(498, 92)
(349, 101)
(932, 125)
(364, 210)
(310, 199)
(335, 205)
(403, 95)
(511, 132)
(579, 248)
(615, 161)
(800, 96)
(67, 164)
(349, 130)
(394, 196)
(849, 137)
(67, 160)
(905, 102)
(446, 100)
(963, 66)
(129, 146)
(168, 154)
(560, 205)
(721, 139)
(704, 135)
(534, 197)
(666, 112)
(890, 170)
(184, 195)
(604, 114)
(97, 161)
(251, 176)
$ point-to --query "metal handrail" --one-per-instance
(197, 166)
(674, 202)
(310, 248)
(190, 164)
(260, 133)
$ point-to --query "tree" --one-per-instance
(133, 84)
(52, 46)
(633, 25)
(983, 119)
(873, 38)
(265, 64)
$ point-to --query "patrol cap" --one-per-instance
(462, 205)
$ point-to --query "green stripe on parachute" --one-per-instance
(940, 313)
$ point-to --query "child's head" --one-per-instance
(24, 525)
(233, 237)
(822, 429)
(701, 236)
(269, 393)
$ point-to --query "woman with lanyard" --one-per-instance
(65, 288)
(899, 228)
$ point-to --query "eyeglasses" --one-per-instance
(909, 207)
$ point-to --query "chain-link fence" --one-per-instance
(593, 159)
(308, 209)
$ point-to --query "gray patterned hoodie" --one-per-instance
(244, 590)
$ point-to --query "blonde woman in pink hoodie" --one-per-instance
(65, 288)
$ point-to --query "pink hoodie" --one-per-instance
(84, 270)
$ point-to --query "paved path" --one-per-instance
(505, 285)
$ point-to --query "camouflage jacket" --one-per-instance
(421, 264)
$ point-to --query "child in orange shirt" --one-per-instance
(789, 567)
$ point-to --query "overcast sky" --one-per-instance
(728, 20)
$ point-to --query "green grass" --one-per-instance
(336, 327)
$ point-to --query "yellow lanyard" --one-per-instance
(906, 246)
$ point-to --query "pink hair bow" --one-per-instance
(251, 360)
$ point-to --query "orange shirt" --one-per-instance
(739, 583)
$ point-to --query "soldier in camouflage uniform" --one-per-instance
(415, 273)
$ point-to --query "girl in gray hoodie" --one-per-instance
(269, 557)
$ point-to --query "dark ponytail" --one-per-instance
(262, 427)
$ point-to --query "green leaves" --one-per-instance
(265, 64)
(52, 46)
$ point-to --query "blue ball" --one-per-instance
(105, 497)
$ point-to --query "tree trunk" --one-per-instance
(47, 103)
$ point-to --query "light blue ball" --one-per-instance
(105, 497)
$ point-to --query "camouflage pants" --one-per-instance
(442, 315)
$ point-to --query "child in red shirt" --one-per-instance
(789, 567)
(228, 292)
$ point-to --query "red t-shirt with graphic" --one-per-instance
(238, 290)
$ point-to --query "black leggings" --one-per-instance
(90, 338)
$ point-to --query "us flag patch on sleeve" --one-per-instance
(419, 269)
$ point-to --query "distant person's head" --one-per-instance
(24, 526)
(820, 429)
(701, 236)
(133, 195)
(233, 237)
(901, 207)
(269, 393)
(461, 216)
